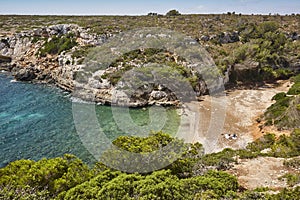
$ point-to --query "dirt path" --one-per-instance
(260, 172)
(215, 120)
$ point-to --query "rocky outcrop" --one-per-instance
(64, 69)
(5, 59)
(248, 71)
(5, 63)
(21, 52)
(293, 36)
(21, 49)
(222, 38)
(25, 74)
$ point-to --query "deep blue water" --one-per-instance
(36, 121)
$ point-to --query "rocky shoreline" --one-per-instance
(20, 55)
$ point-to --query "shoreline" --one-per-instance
(196, 115)
(239, 116)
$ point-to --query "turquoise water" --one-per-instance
(36, 121)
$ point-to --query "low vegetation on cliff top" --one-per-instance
(259, 48)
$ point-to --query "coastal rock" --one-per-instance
(25, 74)
(63, 69)
(60, 69)
(5, 59)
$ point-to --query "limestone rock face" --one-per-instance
(5, 59)
(60, 69)
(64, 70)
(26, 74)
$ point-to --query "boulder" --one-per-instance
(5, 59)
(158, 95)
(248, 71)
(25, 74)
(293, 36)
(204, 38)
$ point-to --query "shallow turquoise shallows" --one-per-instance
(36, 121)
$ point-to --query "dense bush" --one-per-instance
(292, 179)
(284, 146)
(57, 45)
(69, 178)
(269, 47)
(173, 13)
(288, 194)
(54, 175)
(284, 113)
(158, 185)
(295, 89)
(262, 143)
(222, 160)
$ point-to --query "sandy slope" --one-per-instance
(210, 120)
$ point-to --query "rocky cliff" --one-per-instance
(20, 54)
(56, 54)
(23, 55)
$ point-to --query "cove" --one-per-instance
(36, 121)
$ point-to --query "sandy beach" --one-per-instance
(229, 120)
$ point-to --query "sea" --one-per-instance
(37, 121)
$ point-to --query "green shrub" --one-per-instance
(287, 146)
(157, 185)
(262, 143)
(222, 160)
(220, 183)
(82, 52)
(296, 79)
(279, 96)
(173, 13)
(57, 45)
(90, 189)
(69, 178)
(151, 143)
(294, 163)
(295, 89)
(288, 194)
(275, 113)
(247, 154)
(55, 175)
(292, 179)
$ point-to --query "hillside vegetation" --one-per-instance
(285, 112)
(193, 176)
(250, 50)
(257, 48)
